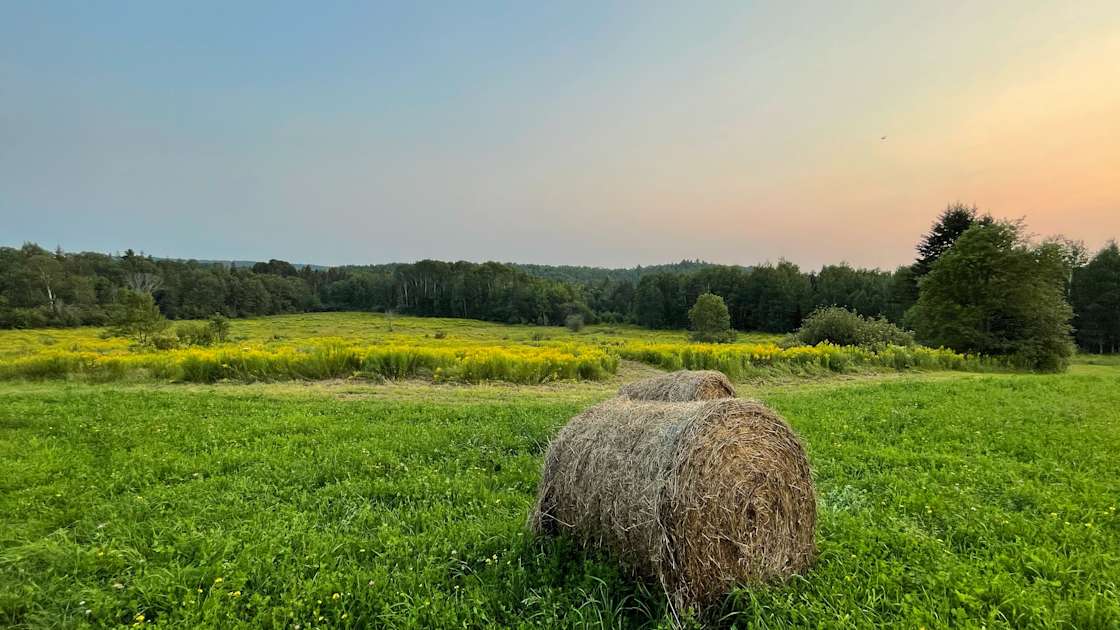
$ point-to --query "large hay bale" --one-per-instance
(699, 495)
(680, 386)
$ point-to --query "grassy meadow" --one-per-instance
(373, 346)
(280, 331)
(947, 498)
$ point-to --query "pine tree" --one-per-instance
(952, 222)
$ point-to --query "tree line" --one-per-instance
(43, 288)
(56, 288)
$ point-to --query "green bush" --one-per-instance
(216, 330)
(166, 342)
(219, 327)
(844, 328)
(136, 316)
(710, 320)
(24, 317)
(194, 334)
(574, 322)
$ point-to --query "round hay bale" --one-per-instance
(680, 386)
(699, 495)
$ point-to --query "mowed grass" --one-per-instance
(945, 500)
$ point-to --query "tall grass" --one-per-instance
(528, 365)
(525, 364)
(745, 360)
(343, 345)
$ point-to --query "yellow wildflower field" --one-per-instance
(373, 345)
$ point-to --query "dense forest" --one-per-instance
(44, 288)
(586, 275)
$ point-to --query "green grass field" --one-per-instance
(945, 499)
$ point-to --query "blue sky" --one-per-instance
(620, 134)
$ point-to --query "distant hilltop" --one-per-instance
(236, 264)
(581, 273)
(578, 273)
(567, 273)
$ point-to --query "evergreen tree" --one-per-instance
(1096, 299)
(950, 225)
(649, 305)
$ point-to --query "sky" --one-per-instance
(599, 133)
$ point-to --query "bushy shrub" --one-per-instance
(611, 317)
(219, 327)
(165, 342)
(194, 334)
(574, 322)
(842, 327)
(710, 320)
(137, 316)
(24, 317)
(94, 316)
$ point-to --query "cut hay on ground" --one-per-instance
(680, 386)
(699, 495)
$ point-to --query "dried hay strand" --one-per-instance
(680, 386)
(699, 495)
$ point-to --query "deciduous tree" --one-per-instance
(997, 294)
(137, 317)
(710, 320)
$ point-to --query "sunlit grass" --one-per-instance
(326, 360)
(376, 346)
(361, 328)
(745, 360)
(962, 500)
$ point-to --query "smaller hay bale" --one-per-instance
(680, 386)
(701, 496)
